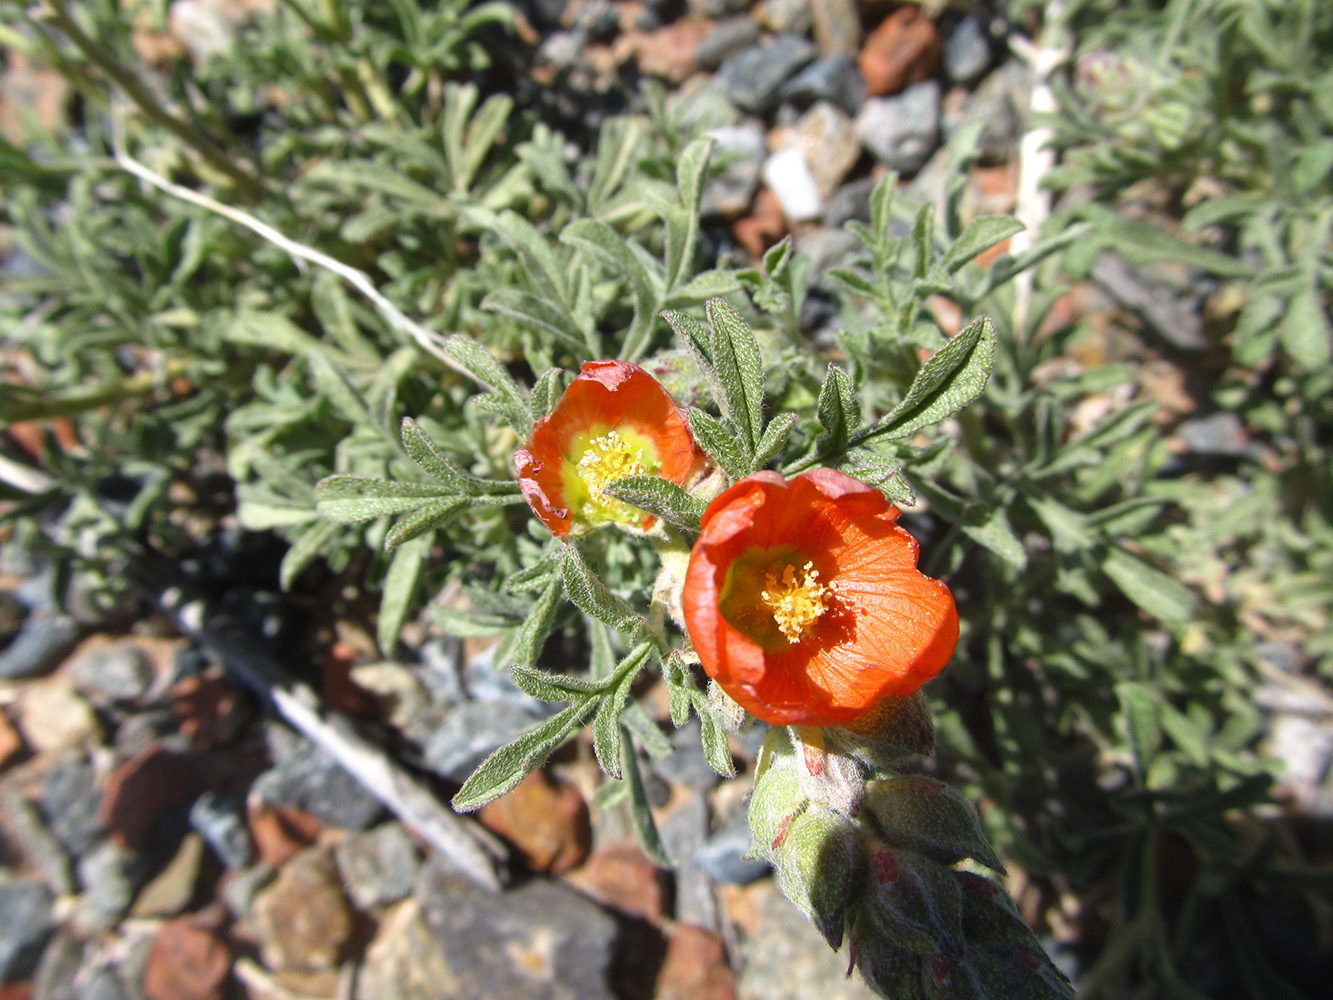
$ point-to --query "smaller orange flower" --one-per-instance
(804, 602)
(614, 420)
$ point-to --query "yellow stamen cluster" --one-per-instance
(605, 460)
(796, 606)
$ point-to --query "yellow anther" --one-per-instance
(796, 605)
(605, 460)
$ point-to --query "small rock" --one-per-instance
(902, 131)
(301, 919)
(142, 792)
(405, 961)
(851, 201)
(762, 227)
(238, 889)
(10, 741)
(789, 177)
(788, 959)
(828, 139)
(752, 78)
(1218, 434)
(740, 149)
(546, 819)
(104, 984)
(837, 27)
(484, 682)
(471, 732)
(667, 52)
(309, 778)
(999, 105)
(826, 248)
(209, 710)
(967, 52)
(109, 875)
(686, 765)
(722, 855)
(52, 716)
(793, 17)
(903, 50)
(378, 866)
(221, 820)
(695, 967)
(26, 922)
(57, 973)
(41, 643)
(186, 962)
(279, 831)
(718, 8)
(683, 833)
(701, 103)
(118, 673)
(562, 49)
(540, 941)
(724, 40)
(70, 800)
(835, 78)
(171, 890)
(622, 878)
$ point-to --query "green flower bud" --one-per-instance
(927, 816)
(777, 799)
(820, 865)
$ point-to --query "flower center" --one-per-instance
(605, 460)
(796, 605)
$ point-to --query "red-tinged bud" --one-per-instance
(783, 825)
(886, 868)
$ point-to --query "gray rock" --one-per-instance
(701, 103)
(902, 131)
(686, 765)
(238, 890)
(41, 643)
(722, 855)
(119, 673)
(741, 150)
(967, 50)
(718, 8)
(851, 201)
(837, 27)
(683, 833)
(309, 778)
(440, 672)
(26, 921)
(483, 681)
(71, 800)
(788, 959)
(836, 79)
(752, 78)
(725, 39)
(110, 875)
(1218, 434)
(220, 820)
(104, 984)
(999, 106)
(58, 971)
(541, 941)
(786, 16)
(471, 732)
(405, 961)
(378, 866)
(563, 49)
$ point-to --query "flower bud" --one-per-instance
(820, 867)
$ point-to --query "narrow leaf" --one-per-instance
(353, 499)
(586, 589)
(774, 438)
(640, 811)
(719, 443)
(531, 635)
(659, 497)
(980, 235)
(839, 412)
(1152, 590)
(400, 587)
(505, 769)
(739, 368)
(606, 728)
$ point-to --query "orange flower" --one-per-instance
(804, 601)
(615, 420)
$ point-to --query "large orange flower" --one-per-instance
(614, 420)
(804, 601)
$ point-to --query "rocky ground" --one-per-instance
(165, 835)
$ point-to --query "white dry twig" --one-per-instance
(1036, 156)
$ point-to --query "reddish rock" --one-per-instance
(10, 741)
(763, 227)
(186, 962)
(695, 968)
(667, 52)
(623, 878)
(145, 789)
(16, 991)
(340, 690)
(546, 819)
(280, 831)
(904, 50)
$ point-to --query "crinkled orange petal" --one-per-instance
(606, 395)
(888, 628)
